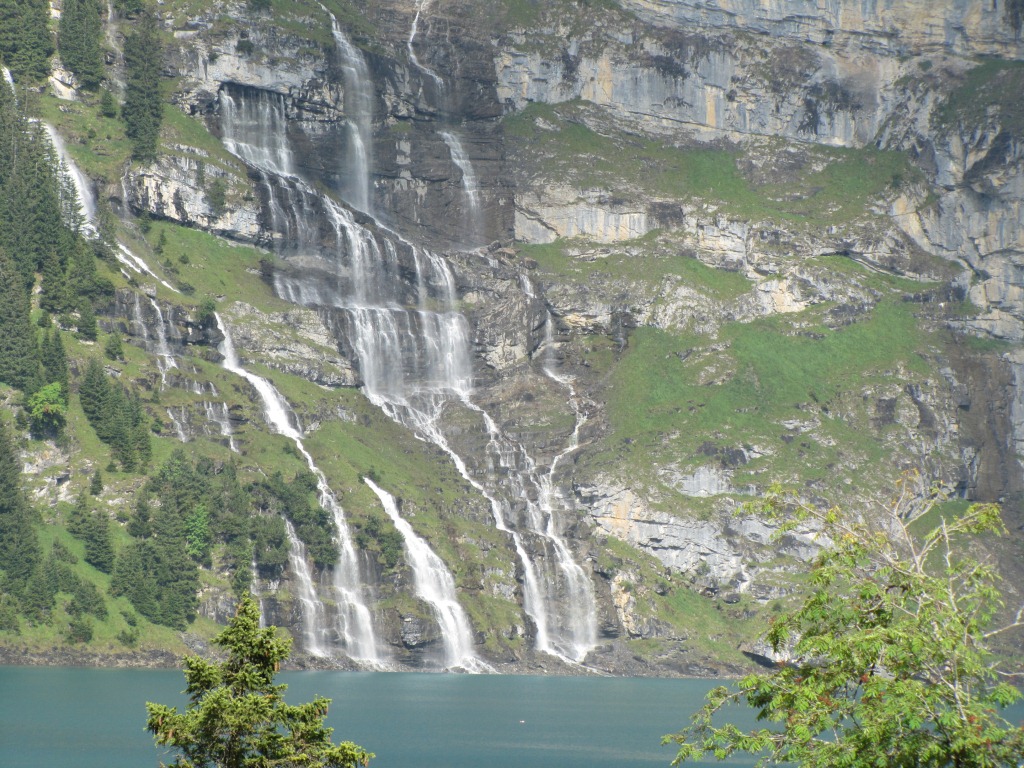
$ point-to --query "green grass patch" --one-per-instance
(994, 84)
(834, 184)
(651, 259)
(214, 266)
(672, 393)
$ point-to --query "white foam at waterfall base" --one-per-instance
(354, 617)
(435, 586)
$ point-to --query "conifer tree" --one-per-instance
(20, 553)
(25, 41)
(99, 547)
(143, 106)
(79, 37)
(237, 716)
(19, 361)
(54, 360)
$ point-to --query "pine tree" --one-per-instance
(54, 360)
(87, 328)
(237, 716)
(143, 106)
(93, 391)
(19, 361)
(20, 553)
(79, 36)
(99, 547)
(25, 41)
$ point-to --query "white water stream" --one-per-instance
(394, 305)
(473, 222)
(353, 620)
(359, 111)
(435, 586)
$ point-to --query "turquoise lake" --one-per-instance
(95, 718)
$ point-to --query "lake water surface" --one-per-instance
(95, 718)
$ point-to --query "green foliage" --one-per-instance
(25, 41)
(113, 348)
(216, 193)
(19, 363)
(20, 554)
(47, 408)
(96, 484)
(143, 105)
(890, 658)
(296, 500)
(108, 105)
(236, 715)
(79, 41)
(117, 416)
(87, 328)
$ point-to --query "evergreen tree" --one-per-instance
(237, 717)
(87, 328)
(93, 391)
(99, 547)
(19, 361)
(143, 106)
(96, 484)
(20, 553)
(79, 37)
(25, 41)
(54, 360)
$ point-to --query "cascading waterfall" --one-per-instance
(217, 413)
(435, 586)
(256, 130)
(83, 187)
(415, 363)
(359, 111)
(313, 616)
(354, 621)
(8, 78)
(472, 220)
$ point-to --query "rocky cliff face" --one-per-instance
(697, 248)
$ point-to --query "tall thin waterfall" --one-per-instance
(359, 112)
(392, 306)
(436, 587)
(421, 5)
(83, 186)
(313, 616)
(354, 621)
(472, 223)
(8, 78)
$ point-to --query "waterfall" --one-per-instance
(83, 186)
(257, 131)
(392, 306)
(359, 111)
(9, 78)
(313, 612)
(472, 224)
(127, 258)
(165, 360)
(217, 413)
(354, 621)
(436, 587)
(421, 5)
